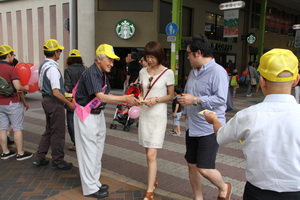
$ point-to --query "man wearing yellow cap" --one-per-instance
(269, 131)
(52, 87)
(11, 111)
(92, 94)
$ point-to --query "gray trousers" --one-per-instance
(90, 137)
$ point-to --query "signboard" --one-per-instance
(171, 38)
(125, 29)
(296, 26)
(251, 38)
(171, 29)
(231, 19)
(232, 5)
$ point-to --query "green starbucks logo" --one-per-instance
(125, 29)
(251, 38)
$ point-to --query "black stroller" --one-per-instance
(121, 113)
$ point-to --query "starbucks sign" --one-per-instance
(251, 38)
(125, 29)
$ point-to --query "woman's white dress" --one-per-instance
(153, 120)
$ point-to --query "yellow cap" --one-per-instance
(52, 45)
(5, 49)
(107, 50)
(276, 61)
(74, 53)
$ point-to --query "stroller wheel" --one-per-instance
(113, 126)
(126, 128)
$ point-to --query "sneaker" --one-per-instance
(63, 165)
(41, 162)
(171, 132)
(249, 95)
(72, 148)
(10, 154)
(25, 156)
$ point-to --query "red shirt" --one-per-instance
(9, 73)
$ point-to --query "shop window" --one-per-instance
(214, 27)
(277, 21)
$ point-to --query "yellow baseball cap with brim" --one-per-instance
(5, 49)
(52, 45)
(107, 50)
(276, 61)
(74, 53)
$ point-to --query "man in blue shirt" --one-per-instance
(206, 88)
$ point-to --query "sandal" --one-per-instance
(149, 196)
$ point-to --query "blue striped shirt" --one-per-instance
(211, 85)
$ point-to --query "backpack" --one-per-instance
(6, 88)
(233, 81)
(245, 73)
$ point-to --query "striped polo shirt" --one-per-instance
(91, 82)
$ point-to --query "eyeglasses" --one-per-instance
(150, 80)
(12, 54)
(188, 53)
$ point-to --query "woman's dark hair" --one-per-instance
(155, 49)
(74, 60)
(200, 42)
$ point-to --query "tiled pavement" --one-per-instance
(124, 164)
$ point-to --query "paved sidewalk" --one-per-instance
(124, 163)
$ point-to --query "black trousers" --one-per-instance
(254, 193)
(70, 125)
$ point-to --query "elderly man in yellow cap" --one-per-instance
(269, 131)
(52, 88)
(91, 96)
(11, 111)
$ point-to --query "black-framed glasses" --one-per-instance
(150, 80)
(12, 54)
(188, 53)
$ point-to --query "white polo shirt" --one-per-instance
(270, 132)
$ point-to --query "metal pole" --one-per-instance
(73, 24)
(262, 24)
(176, 46)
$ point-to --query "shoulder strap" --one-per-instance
(154, 83)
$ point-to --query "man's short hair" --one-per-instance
(49, 54)
(200, 42)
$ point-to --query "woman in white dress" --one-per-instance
(157, 84)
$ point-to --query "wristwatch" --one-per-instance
(156, 99)
(195, 101)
